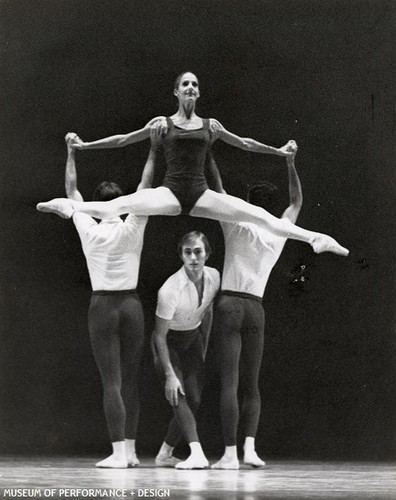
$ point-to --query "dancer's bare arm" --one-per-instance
(146, 180)
(172, 384)
(70, 172)
(295, 191)
(119, 140)
(212, 174)
(248, 144)
(149, 168)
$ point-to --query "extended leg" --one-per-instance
(224, 207)
(157, 201)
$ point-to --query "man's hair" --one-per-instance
(190, 238)
(264, 195)
(107, 191)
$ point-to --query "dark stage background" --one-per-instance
(321, 73)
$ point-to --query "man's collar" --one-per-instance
(185, 277)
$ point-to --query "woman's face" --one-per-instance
(187, 89)
(194, 255)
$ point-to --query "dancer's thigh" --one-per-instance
(227, 208)
(103, 324)
(153, 201)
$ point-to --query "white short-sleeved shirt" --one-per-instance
(250, 254)
(178, 299)
(112, 249)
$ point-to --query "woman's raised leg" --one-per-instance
(157, 201)
(226, 208)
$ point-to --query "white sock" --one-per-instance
(249, 444)
(119, 450)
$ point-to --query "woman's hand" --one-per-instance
(75, 141)
(289, 149)
(172, 388)
(70, 139)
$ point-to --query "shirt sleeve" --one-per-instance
(217, 279)
(167, 303)
(214, 280)
(136, 223)
(227, 228)
(83, 223)
(273, 243)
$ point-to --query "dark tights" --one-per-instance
(239, 338)
(116, 328)
(186, 355)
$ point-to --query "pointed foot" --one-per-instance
(323, 243)
(59, 206)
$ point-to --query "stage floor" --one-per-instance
(76, 477)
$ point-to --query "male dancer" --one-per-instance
(112, 249)
(250, 254)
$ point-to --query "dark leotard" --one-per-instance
(185, 155)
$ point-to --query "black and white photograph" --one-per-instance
(198, 268)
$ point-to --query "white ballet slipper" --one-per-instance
(323, 243)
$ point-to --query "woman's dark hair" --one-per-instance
(191, 237)
(107, 191)
(264, 195)
(177, 81)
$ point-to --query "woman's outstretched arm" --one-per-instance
(119, 140)
(248, 144)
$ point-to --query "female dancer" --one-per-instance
(184, 190)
